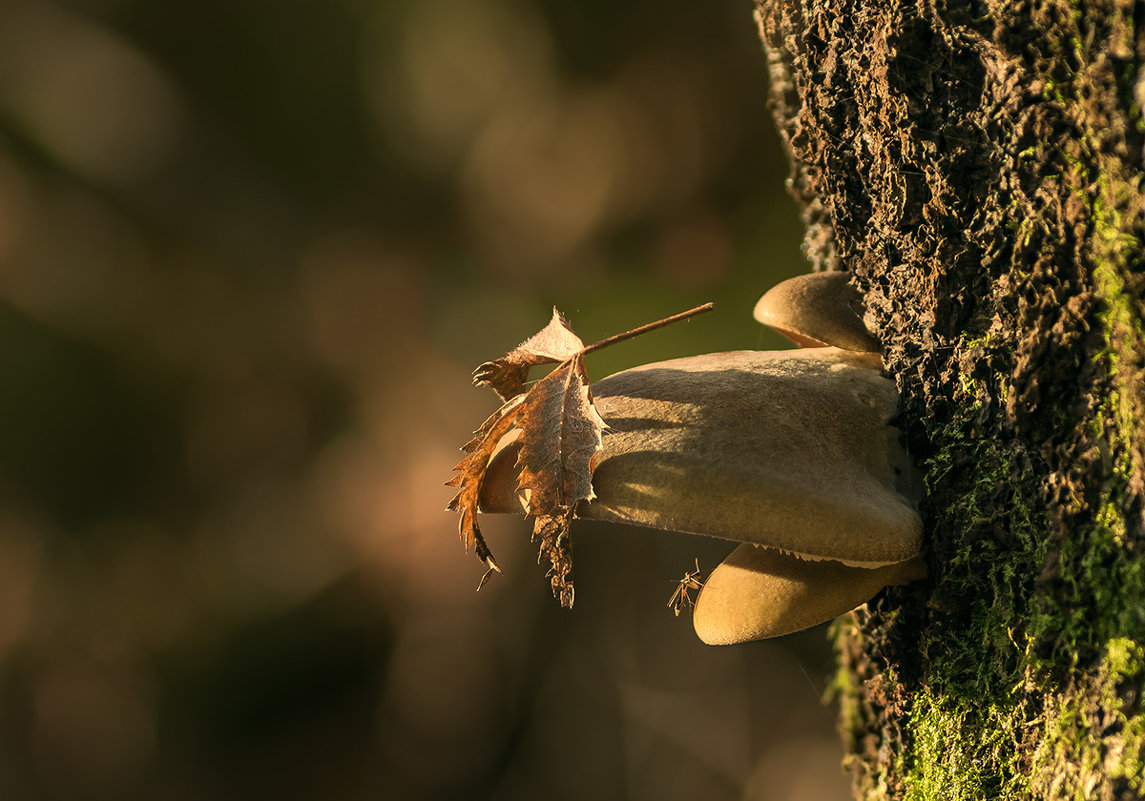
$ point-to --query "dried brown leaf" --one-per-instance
(560, 437)
(555, 545)
(554, 343)
(471, 475)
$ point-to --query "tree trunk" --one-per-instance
(977, 166)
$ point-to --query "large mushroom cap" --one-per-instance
(758, 593)
(788, 449)
(817, 309)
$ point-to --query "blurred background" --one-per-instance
(250, 253)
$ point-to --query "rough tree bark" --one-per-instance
(977, 166)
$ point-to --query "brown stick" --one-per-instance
(675, 318)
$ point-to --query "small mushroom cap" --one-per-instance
(788, 449)
(817, 309)
(758, 593)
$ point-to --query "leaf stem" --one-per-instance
(675, 318)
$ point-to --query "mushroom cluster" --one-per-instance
(788, 453)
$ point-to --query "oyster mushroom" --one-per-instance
(789, 453)
(787, 450)
(817, 309)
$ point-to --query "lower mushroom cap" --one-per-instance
(758, 593)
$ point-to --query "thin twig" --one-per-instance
(675, 318)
